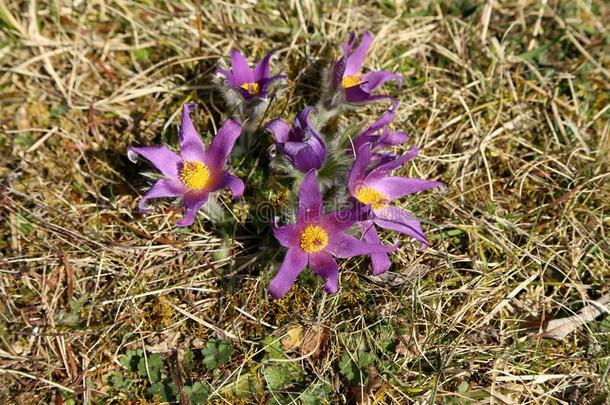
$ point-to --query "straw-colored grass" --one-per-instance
(509, 103)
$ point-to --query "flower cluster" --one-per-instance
(317, 238)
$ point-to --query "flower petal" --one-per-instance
(357, 95)
(356, 59)
(380, 261)
(266, 82)
(235, 184)
(396, 187)
(383, 169)
(373, 80)
(279, 129)
(386, 118)
(241, 70)
(162, 188)
(345, 246)
(339, 221)
(338, 71)
(395, 219)
(357, 174)
(228, 76)
(162, 157)
(222, 144)
(192, 205)
(310, 199)
(294, 263)
(325, 266)
(392, 138)
(307, 159)
(191, 146)
(261, 70)
(288, 236)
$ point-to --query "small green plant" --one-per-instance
(216, 353)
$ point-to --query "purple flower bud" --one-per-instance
(302, 143)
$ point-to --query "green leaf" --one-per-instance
(163, 392)
(197, 393)
(276, 378)
(216, 353)
(315, 394)
(131, 359)
(154, 367)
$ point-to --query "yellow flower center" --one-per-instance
(313, 239)
(195, 175)
(351, 81)
(368, 195)
(252, 87)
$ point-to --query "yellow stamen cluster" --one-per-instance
(351, 81)
(368, 195)
(313, 239)
(195, 175)
(252, 87)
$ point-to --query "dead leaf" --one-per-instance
(306, 340)
(562, 327)
(164, 343)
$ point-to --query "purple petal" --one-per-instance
(349, 45)
(261, 70)
(191, 146)
(373, 80)
(356, 95)
(266, 82)
(345, 246)
(362, 160)
(395, 219)
(279, 129)
(396, 187)
(391, 138)
(325, 266)
(235, 184)
(380, 261)
(292, 148)
(241, 70)
(386, 118)
(163, 158)
(356, 59)
(288, 236)
(222, 144)
(294, 263)
(307, 159)
(228, 76)
(162, 188)
(339, 221)
(338, 71)
(383, 169)
(192, 205)
(310, 199)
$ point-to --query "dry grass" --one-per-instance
(509, 103)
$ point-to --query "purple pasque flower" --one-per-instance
(316, 239)
(347, 73)
(302, 144)
(194, 173)
(250, 83)
(373, 191)
(379, 135)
